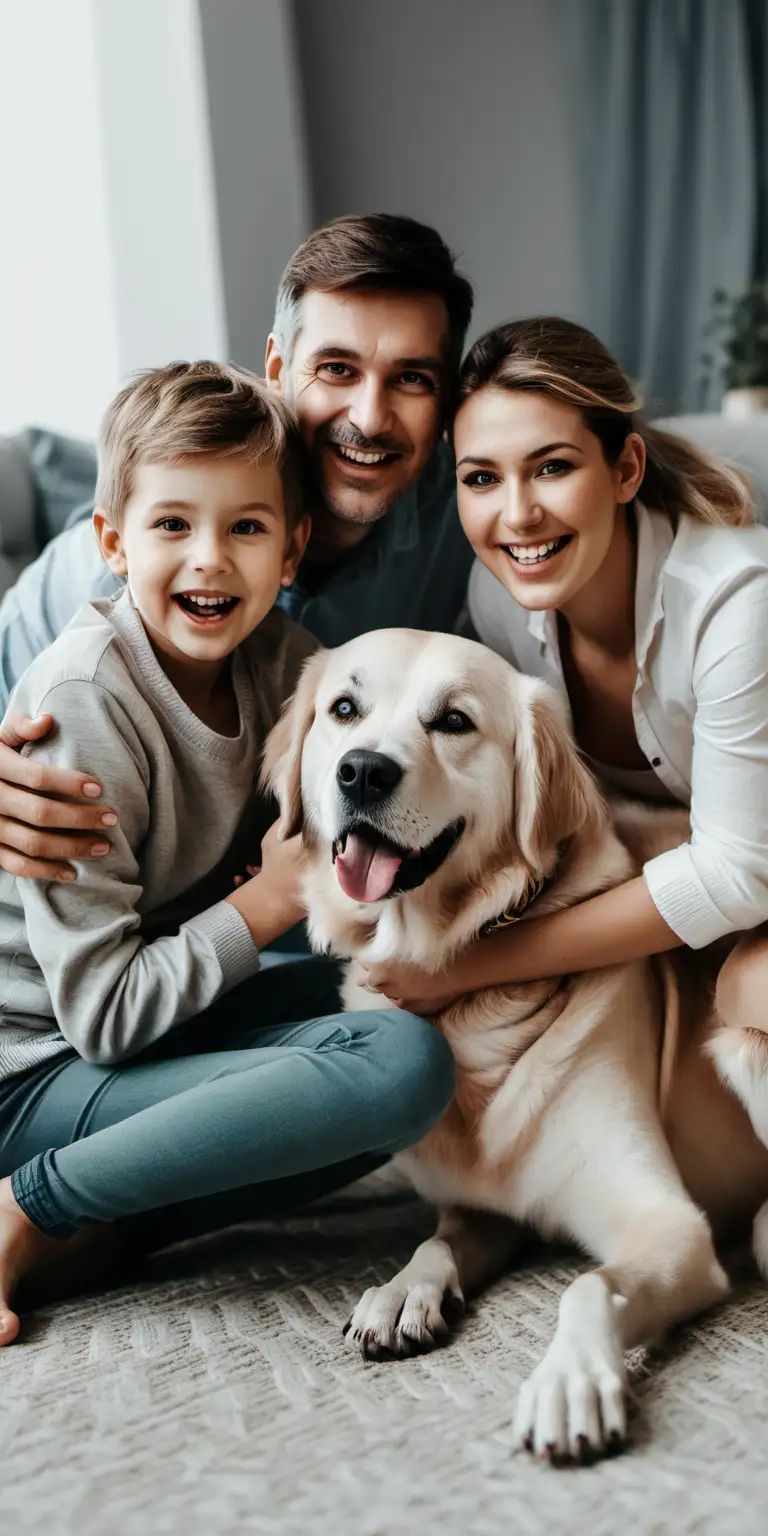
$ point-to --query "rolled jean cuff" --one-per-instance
(41, 1194)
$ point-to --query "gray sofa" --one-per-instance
(45, 477)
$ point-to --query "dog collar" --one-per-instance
(513, 914)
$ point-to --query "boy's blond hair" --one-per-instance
(167, 414)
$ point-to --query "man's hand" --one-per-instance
(407, 986)
(39, 834)
(271, 901)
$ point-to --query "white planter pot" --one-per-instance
(740, 403)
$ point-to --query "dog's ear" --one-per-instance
(554, 792)
(281, 768)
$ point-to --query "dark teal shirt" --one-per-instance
(411, 571)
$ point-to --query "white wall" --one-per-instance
(257, 142)
(161, 159)
(450, 111)
(160, 195)
(58, 348)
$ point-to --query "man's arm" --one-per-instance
(47, 814)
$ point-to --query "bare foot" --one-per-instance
(23, 1248)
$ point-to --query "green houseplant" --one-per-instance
(739, 332)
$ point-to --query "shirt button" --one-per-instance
(655, 762)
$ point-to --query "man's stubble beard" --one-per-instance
(370, 510)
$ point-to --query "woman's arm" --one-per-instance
(609, 929)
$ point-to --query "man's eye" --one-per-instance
(336, 370)
(453, 722)
(172, 525)
(248, 525)
(480, 479)
(553, 467)
(413, 380)
(344, 709)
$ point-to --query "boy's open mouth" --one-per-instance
(370, 868)
(207, 608)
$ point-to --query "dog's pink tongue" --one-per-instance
(366, 873)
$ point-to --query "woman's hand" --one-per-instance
(417, 991)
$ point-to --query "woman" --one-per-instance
(625, 567)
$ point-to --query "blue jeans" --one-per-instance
(226, 1119)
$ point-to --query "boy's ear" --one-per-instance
(110, 543)
(294, 553)
(274, 363)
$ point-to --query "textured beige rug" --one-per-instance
(219, 1398)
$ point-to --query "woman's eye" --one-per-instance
(480, 479)
(453, 722)
(553, 467)
(172, 525)
(344, 709)
(248, 525)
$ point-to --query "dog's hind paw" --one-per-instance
(404, 1317)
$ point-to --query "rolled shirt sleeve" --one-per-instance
(718, 882)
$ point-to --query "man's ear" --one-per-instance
(110, 543)
(274, 363)
(281, 769)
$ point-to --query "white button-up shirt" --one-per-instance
(700, 706)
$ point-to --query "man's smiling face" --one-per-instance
(368, 376)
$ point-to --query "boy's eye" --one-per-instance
(248, 525)
(480, 479)
(553, 467)
(172, 525)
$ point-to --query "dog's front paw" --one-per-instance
(573, 1407)
(405, 1317)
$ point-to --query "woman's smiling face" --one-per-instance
(537, 498)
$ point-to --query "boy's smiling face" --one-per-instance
(205, 547)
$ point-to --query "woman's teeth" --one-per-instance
(533, 554)
(355, 456)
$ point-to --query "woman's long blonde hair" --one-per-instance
(568, 363)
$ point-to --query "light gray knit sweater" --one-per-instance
(142, 939)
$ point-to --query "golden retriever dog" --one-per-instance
(441, 795)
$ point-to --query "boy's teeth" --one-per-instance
(360, 458)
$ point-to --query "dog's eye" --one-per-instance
(344, 709)
(453, 722)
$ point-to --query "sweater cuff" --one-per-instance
(228, 934)
(676, 889)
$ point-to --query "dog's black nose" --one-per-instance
(367, 778)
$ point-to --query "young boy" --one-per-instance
(144, 1063)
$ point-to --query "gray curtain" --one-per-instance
(667, 101)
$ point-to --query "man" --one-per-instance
(370, 322)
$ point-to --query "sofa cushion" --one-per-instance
(745, 443)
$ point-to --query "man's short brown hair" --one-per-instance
(374, 251)
(167, 414)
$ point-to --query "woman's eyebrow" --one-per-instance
(538, 453)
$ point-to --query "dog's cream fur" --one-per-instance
(607, 1107)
